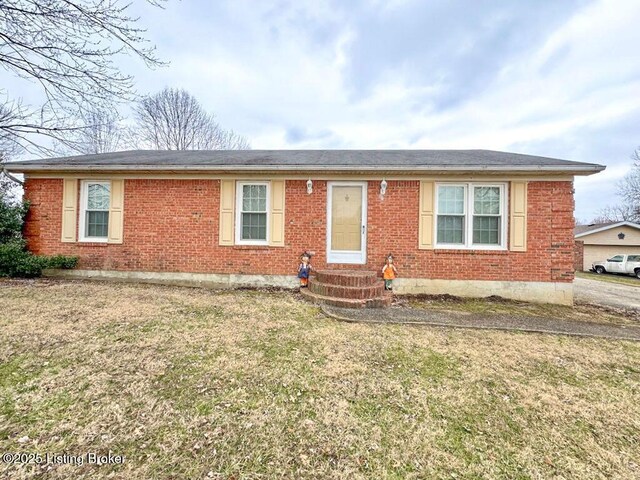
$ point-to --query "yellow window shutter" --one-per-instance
(518, 219)
(276, 221)
(425, 225)
(69, 209)
(227, 203)
(116, 212)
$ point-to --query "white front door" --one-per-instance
(347, 222)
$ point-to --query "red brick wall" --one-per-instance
(172, 225)
(578, 259)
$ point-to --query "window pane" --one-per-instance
(254, 226)
(254, 198)
(486, 230)
(486, 200)
(450, 229)
(450, 200)
(261, 198)
(97, 224)
(98, 196)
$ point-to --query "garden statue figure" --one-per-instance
(304, 269)
(389, 272)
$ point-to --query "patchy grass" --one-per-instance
(502, 306)
(611, 278)
(191, 383)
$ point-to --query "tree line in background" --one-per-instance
(69, 49)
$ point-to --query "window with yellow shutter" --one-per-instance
(95, 200)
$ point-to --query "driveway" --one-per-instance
(609, 294)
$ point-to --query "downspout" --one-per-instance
(11, 177)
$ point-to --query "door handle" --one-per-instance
(363, 227)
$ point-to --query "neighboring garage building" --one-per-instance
(604, 240)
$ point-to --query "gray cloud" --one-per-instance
(458, 45)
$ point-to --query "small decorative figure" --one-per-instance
(389, 272)
(304, 269)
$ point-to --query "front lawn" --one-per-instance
(189, 383)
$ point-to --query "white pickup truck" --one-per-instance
(624, 264)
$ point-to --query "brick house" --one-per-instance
(465, 222)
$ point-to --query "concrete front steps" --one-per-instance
(347, 288)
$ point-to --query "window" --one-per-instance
(251, 220)
(486, 215)
(617, 258)
(470, 216)
(633, 258)
(451, 214)
(94, 218)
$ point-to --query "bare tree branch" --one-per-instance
(98, 131)
(69, 48)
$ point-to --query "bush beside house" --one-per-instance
(15, 259)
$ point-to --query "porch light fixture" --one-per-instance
(309, 187)
(383, 187)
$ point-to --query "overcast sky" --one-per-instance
(554, 78)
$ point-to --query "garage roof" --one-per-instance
(582, 230)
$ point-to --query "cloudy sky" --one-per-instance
(554, 78)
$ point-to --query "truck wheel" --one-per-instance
(638, 272)
(600, 269)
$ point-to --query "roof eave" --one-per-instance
(555, 169)
(608, 227)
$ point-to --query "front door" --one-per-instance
(347, 222)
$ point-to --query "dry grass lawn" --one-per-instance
(501, 306)
(190, 383)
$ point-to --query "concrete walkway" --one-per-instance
(599, 292)
(417, 316)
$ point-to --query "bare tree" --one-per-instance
(9, 145)
(174, 120)
(68, 48)
(100, 131)
(629, 190)
(616, 213)
(630, 186)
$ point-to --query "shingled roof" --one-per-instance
(582, 230)
(355, 161)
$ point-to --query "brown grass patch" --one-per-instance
(495, 305)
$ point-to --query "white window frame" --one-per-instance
(468, 217)
(239, 189)
(84, 198)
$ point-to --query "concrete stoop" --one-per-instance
(348, 289)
